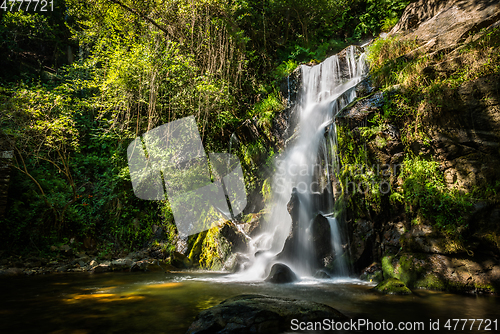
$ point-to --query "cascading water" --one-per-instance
(307, 168)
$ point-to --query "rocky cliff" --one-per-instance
(427, 132)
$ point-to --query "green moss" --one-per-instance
(387, 267)
(197, 248)
(215, 250)
(393, 286)
(431, 282)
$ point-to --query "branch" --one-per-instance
(150, 20)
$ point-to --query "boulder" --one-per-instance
(322, 274)
(121, 264)
(102, 268)
(280, 273)
(181, 261)
(392, 286)
(260, 314)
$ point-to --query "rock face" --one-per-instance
(259, 314)
(443, 23)
(318, 234)
(280, 273)
(461, 123)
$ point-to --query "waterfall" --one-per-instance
(307, 168)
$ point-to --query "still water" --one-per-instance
(168, 303)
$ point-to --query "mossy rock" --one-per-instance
(376, 276)
(392, 286)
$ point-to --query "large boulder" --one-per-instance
(281, 273)
(260, 314)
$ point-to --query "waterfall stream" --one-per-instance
(307, 167)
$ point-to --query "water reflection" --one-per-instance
(168, 303)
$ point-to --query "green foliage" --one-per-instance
(79, 83)
(285, 69)
(380, 15)
(424, 191)
(267, 108)
(388, 23)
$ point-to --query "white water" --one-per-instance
(307, 166)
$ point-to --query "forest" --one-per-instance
(241, 166)
(81, 81)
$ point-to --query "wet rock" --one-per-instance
(320, 233)
(260, 314)
(62, 269)
(11, 272)
(121, 264)
(362, 243)
(372, 273)
(237, 240)
(181, 261)
(139, 266)
(393, 286)
(93, 263)
(102, 268)
(236, 262)
(322, 274)
(281, 273)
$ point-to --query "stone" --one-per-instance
(121, 264)
(281, 273)
(93, 263)
(392, 286)
(139, 266)
(11, 272)
(372, 273)
(61, 269)
(322, 274)
(102, 268)
(320, 234)
(260, 314)
(181, 261)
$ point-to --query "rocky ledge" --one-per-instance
(260, 314)
(67, 260)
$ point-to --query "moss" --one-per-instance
(387, 267)
(194, 254)
(431, 282)
(215, 250)
(392, 286)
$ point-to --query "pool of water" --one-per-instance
(168, 303)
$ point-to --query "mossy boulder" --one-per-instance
(393, 286)
(260, 314)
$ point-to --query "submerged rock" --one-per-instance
(392, 286)
(280, 273)
(322, 274)
(260, 314)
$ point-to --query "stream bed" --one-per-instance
(168, 303)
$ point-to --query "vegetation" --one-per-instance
(413, 93)
(79, 83)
